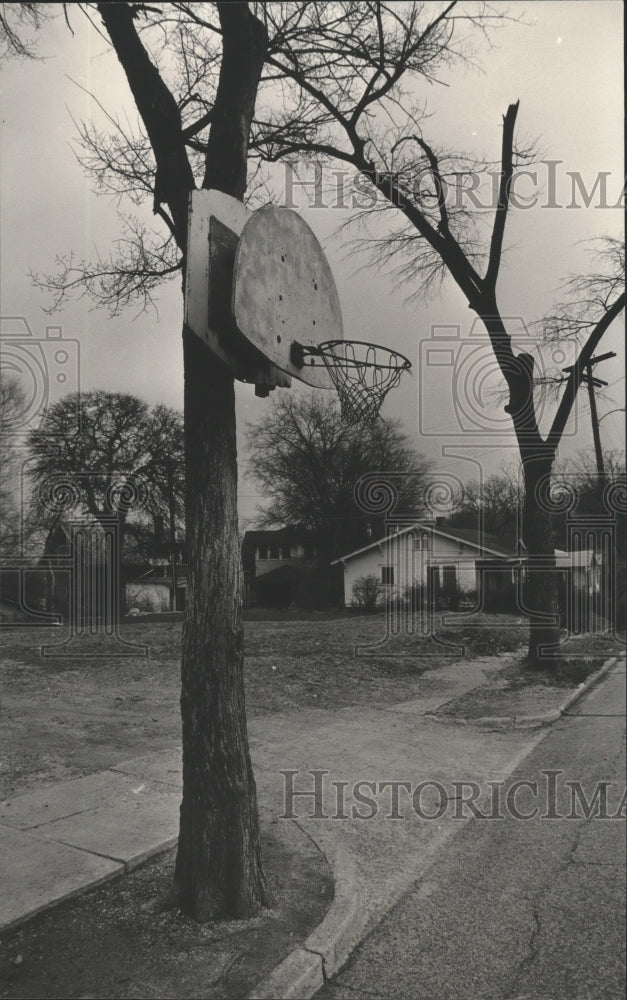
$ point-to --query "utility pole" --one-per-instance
(596, 435)
(598, 528)
(595, 383)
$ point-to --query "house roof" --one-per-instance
(502, 546)
(485, 544)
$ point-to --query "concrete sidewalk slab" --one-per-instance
(67, 798)
(35, 874)
(164, 766)
(129, 827)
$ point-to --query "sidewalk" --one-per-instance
(58, 841)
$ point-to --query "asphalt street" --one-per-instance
(516, 908)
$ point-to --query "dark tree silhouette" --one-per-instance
(494, 505)
(110, 457)
(308, 462)
(436, 235)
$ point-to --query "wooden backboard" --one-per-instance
(215, 224)
(284, 292)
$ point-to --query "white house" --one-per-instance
(437, 557)
(154, 590)
(449, 562)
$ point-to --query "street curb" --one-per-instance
(504, 722)
(340, 930)
(591, 682)
(298, 976)
(326, 950)
(310, 965)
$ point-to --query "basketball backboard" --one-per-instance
(284, 295)
(215, 224)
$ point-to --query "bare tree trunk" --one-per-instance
(218, 866)
(541, 591)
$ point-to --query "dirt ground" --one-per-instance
(115, 942)
(516, 690)
(67, 715)
(63, 716)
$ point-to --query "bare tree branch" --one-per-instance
(496, 243)
(139, 261)
(578, 369)
(18, 20)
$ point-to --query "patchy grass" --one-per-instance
(69, 715)
(519, 690)
(75, 713)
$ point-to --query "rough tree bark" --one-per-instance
(540, 593)
(541, 590)
(218, 866)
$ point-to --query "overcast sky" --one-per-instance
(564, 64)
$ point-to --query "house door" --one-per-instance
(433, 585)
(450, 593)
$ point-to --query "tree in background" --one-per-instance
(359, 109)
(17, 22)
(579, 475)
(493, 506)
(308, 461)
(107, 456)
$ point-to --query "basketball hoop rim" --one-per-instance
(326, 351)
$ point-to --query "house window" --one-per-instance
(387, 575)
(309, 550)
(449, 577)
(421, 541)
(263, 551)
(274, 551)
(286, 552)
